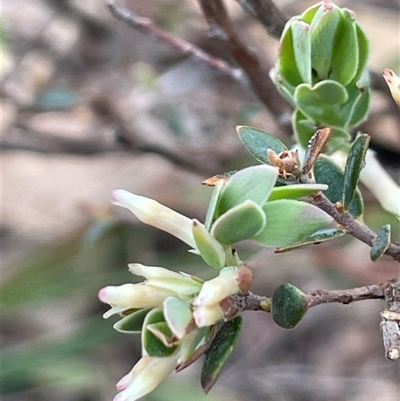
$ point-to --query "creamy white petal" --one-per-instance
(134, 295)
(149, 374)
(157, 215)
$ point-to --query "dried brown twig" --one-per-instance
(147, 26)
(267, 13)
(257, 73)
(251, 68)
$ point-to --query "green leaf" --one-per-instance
(354, 164)
(309, 14)
(219, 351)
(150, 342)
(286, 65)
(382, 242)
(327, 172)
(210, 249)
(323, 31)
(213, 205)
(363, 51)
(323, 235)
(239, 223)
(295, 191)
(132, 323)
(289, 222)
(304, 128)
(178, 315)
(284, 88)
(252, 183)
(257, 142)
(289, 305)
(344, 64)
(359, 111)
(321, 102)
(302, 49)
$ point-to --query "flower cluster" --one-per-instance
(174, 311)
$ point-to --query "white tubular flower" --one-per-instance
(215, 290)
(145, 376)
(377, 180)
(393, 82)
(161, 283)
(179, 283)
(157, 215)
(207, 315)
(134, 295)
(381, 184)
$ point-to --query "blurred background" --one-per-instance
(90, 105)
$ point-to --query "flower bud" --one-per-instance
(157, 215)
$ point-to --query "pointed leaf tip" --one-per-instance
(219, 351)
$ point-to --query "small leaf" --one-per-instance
(257, 142)
(286, 65)
(239, 223)
(302, 49)
(132, 323)
(219, 351)
(213, 205)
(344, 64)
(321, 102)
(151, 344)
(363, 51)
(323, 31)
(382, 242)
(354, 164)
(309, 14)
(253, 183)
(289, 305)
(295, 191)
(210, 249)
(323, 235)
(327, 172)
(290, 221)
(178, 315)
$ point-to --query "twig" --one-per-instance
(147, 26)
(390, 324)
(267, 13)
(318, 297)
(354, 227)
(257, 73)
(256, 302)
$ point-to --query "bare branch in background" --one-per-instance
(257, 73)
(147, 26)
(267, 13)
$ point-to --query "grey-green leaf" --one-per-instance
(289, 222)
(323, 235)
(354, 164)
(289, 305)
(382, 242)
(239, 223)
(133, 322)
(253, 183)
(257, 142)
(219, 351)
(327, 172)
